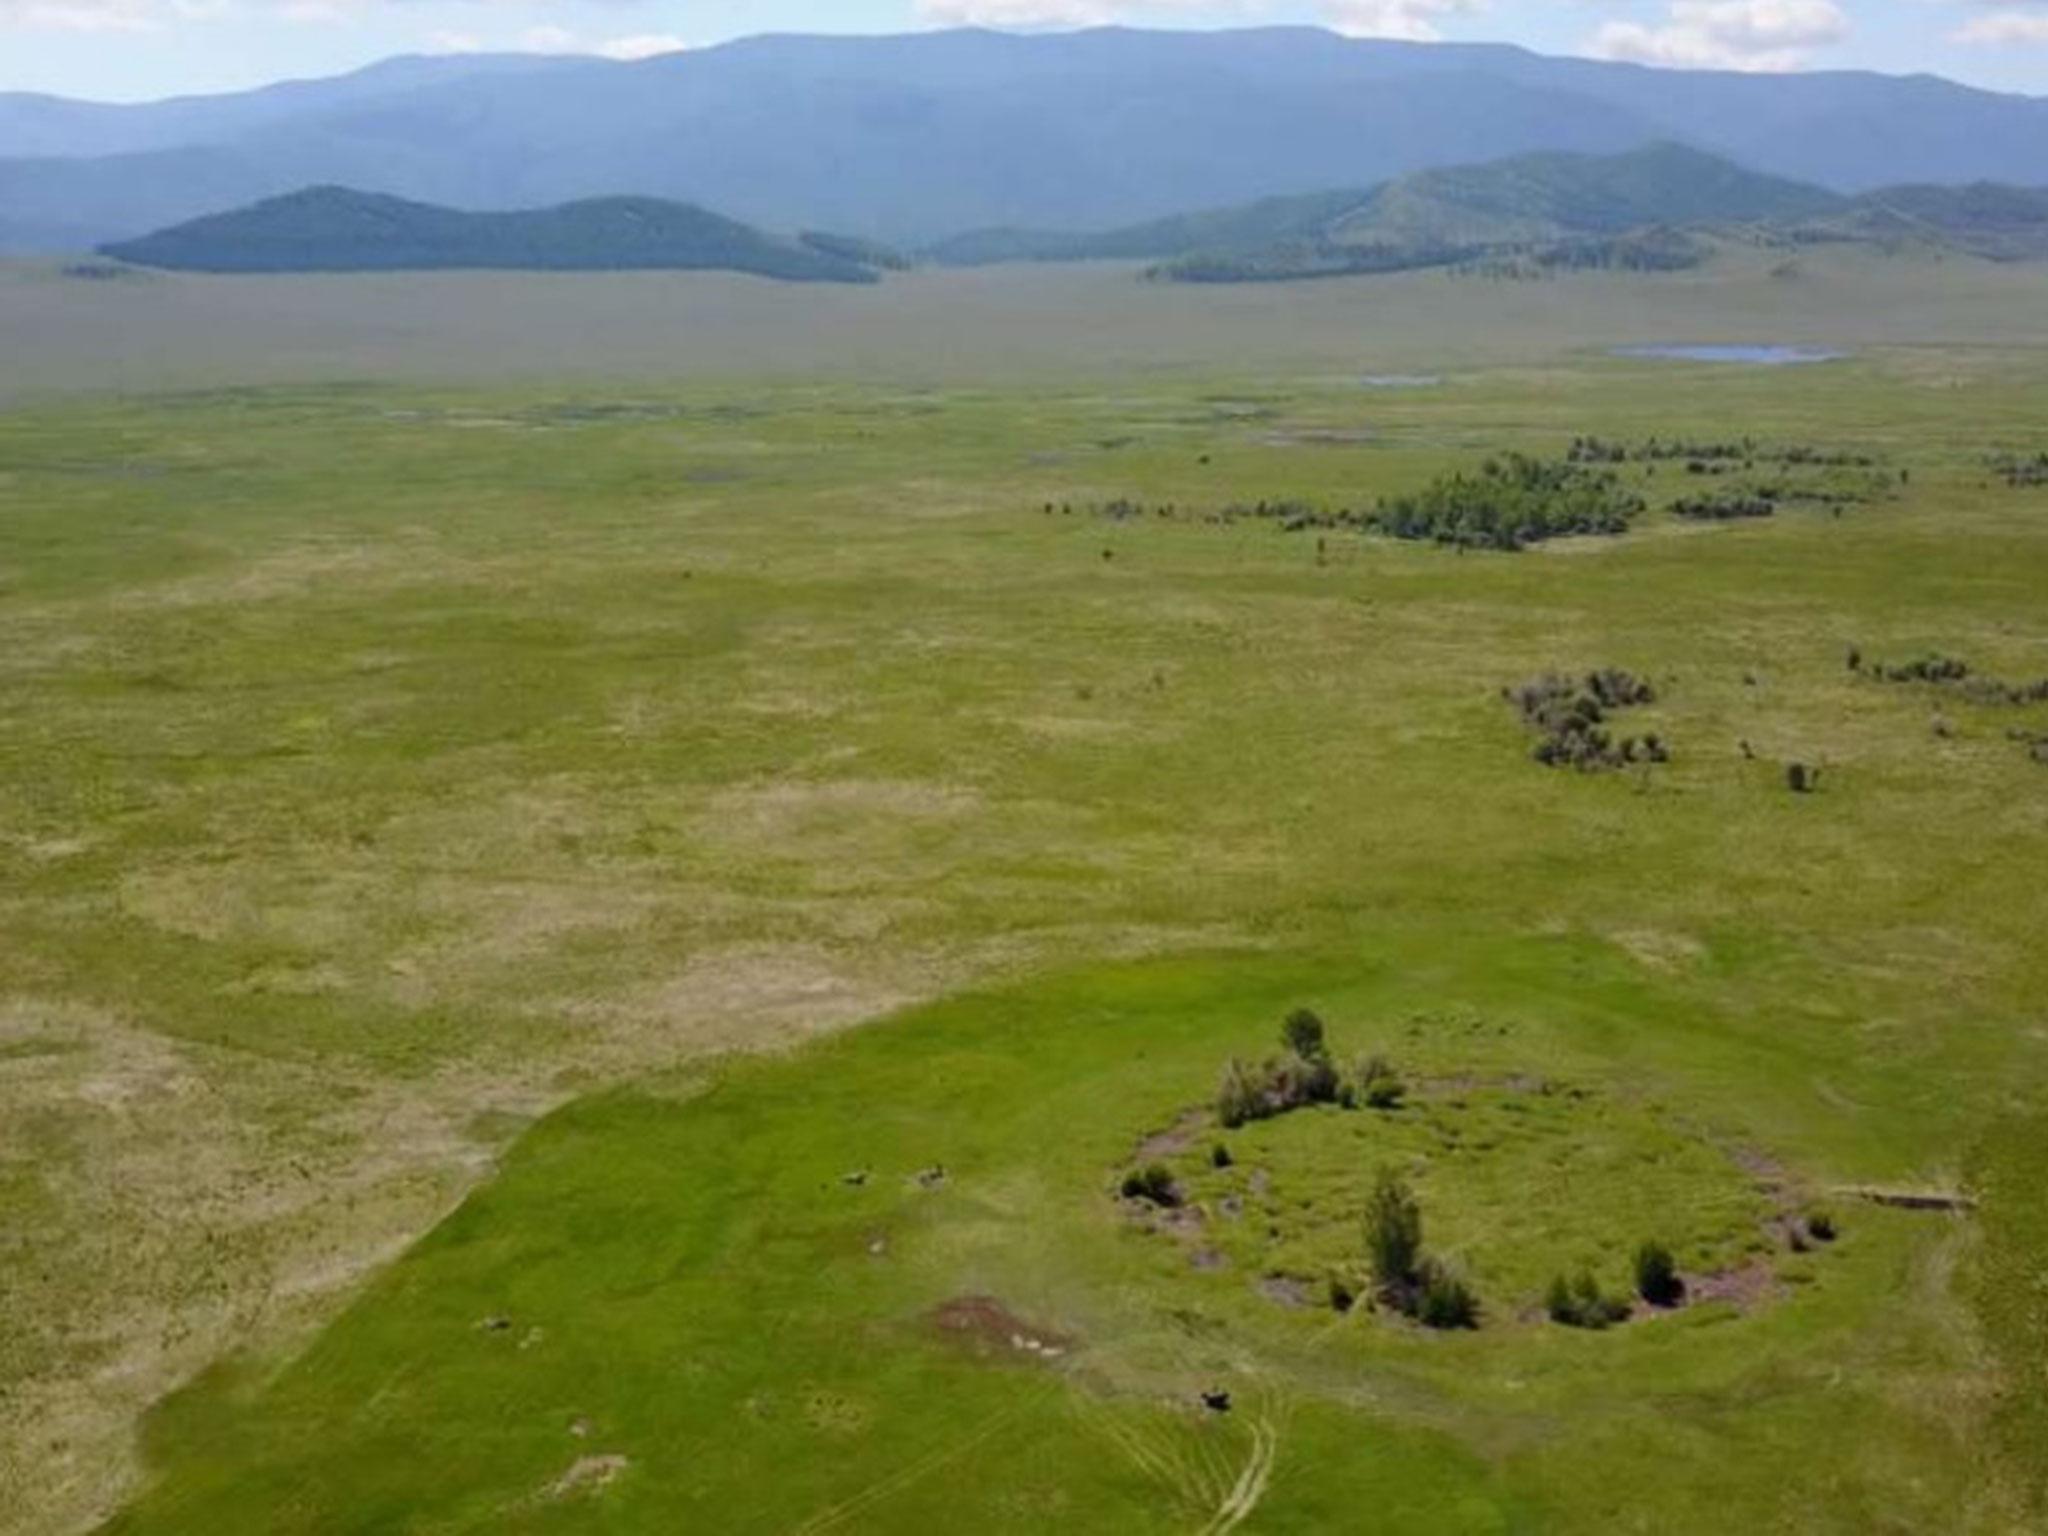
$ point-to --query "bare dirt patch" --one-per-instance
(589, 1474)
(991, 1330)
(1287, 1290)
(1746, 1287)
(1175, 1139)
(1658, 950)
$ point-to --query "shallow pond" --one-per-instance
(1759, 356)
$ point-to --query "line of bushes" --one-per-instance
(1746, 451)
(1728, 508)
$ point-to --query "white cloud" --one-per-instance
(641, 45)
(547, 40)
(2003, 27)
(103, 15)
(1413, 20)
(1057, 13)
(1762, 35)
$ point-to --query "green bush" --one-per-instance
(1446, 1301)
(1219, 1156)
(1580, 1303)
(1374, 1084)
(1657, 1279)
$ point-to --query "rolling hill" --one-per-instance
(917, 137)
(1655, 208)
(338, 229)
(1503, 202)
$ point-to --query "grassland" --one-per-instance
(426, 798)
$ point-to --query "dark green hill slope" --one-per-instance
(1999, 223)
(1581, 204)
(335, 229)
(1545, 196)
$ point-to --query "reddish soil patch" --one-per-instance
(1287, 1290)
(987, 1327)
(1174, 1140)
(1745, 1287)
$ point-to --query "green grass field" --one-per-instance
(446, 827)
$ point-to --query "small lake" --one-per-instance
(1401, 380)
(1755, 356)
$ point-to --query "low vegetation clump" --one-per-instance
(1571, 719)
(1580, 1303)
(1152, 1184)
(1512, 502)
(2021, 471)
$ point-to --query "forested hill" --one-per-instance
(1655, 208)
(1526, 197)
(337, 229)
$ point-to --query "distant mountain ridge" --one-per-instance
(339, 229)
(914, 138)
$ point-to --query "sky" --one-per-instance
(131, 50)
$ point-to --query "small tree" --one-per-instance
(1302, 1033)
(1393, 1231)
(1657, 1280)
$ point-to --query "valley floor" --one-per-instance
(446, 830)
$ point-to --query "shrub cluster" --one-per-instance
(1578, 1302)
(2021, 471)
(1513, 501)
(1303, 1074)
(1408, 1280)
(1571, 718)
